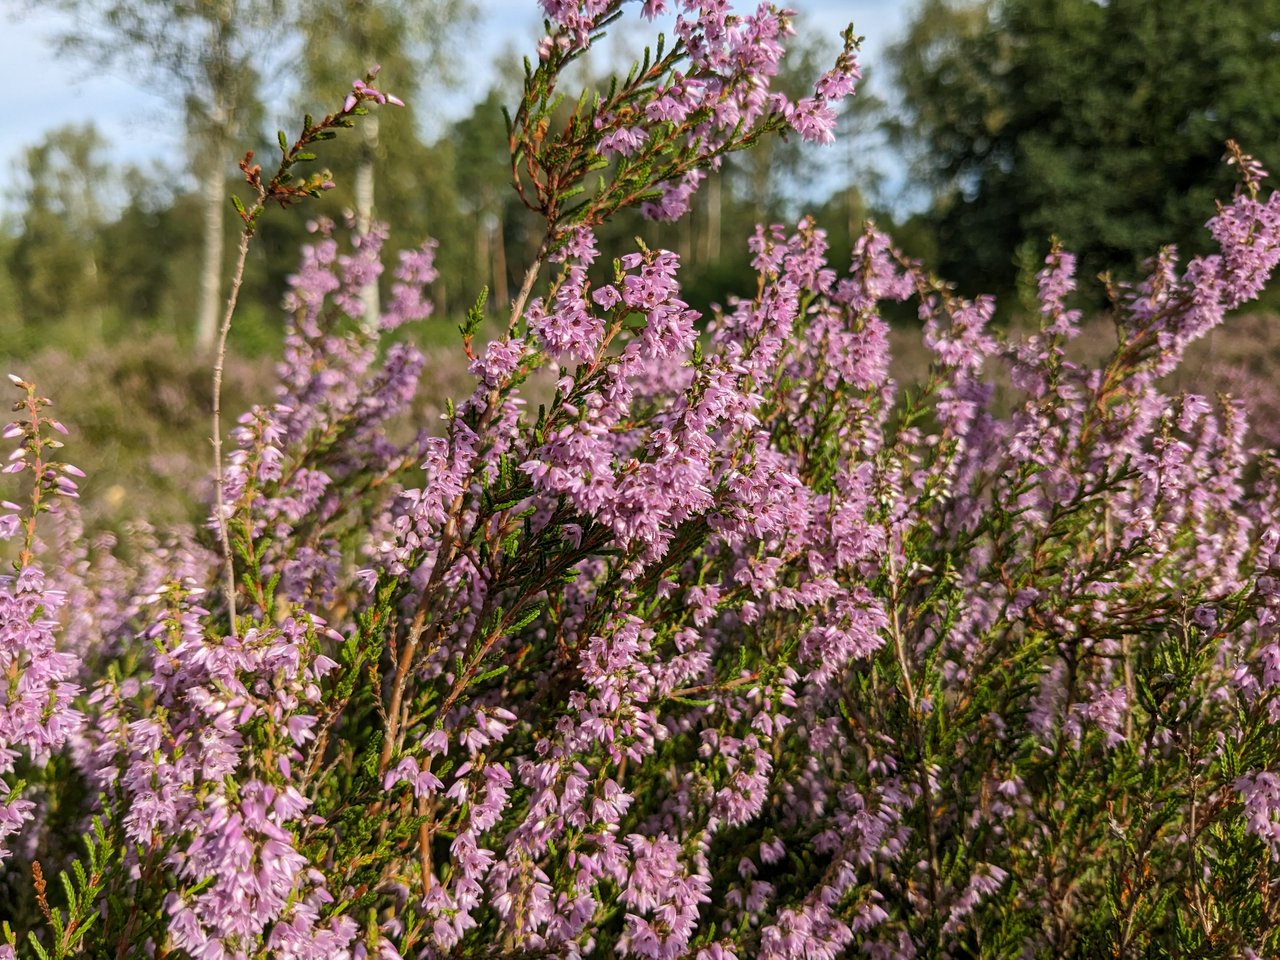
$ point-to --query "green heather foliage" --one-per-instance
(673, 636)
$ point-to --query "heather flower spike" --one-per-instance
(37, 707)
(726, 647)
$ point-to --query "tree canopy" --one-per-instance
(1103, 121)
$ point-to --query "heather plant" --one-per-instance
(731, 648)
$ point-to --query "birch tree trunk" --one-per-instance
(213, 194)
(711, 252)
(363, 188)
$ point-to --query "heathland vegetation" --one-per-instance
(581, 569)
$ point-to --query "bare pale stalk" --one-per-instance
(224, 534)
(526, 287)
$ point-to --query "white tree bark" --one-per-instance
(363, 188)
(713, 187)
(213, 194)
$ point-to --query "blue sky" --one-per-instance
(46, 91)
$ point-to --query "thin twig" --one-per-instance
(913, 710)
(526, 287)
(285, 189)
(224, 535)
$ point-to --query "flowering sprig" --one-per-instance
(283, 189)
(37, 679)
(51, 478)
(280, 189)
(677, 112)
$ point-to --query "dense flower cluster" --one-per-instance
(732, 59)
(37, 708)
(674, 116)
(732, 649)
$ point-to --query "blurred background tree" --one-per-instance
(60, 208)
(994, 124)
(1100, 121)
(207, 56)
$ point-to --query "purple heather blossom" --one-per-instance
(1252, 172)
(413, 274)
(1260, 792)
(986, 880)
(37, 716)
(362, 90)
(1056, 282)
(622, 141)
(675, 198)
(813, 119)
(568, 328)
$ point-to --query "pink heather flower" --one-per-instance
(1252, 172)
(836, 84)
(423, 782)
(579, 246)
(36, 712)
(983, 884)
(1056, 282)
(498, 362)
(623, 141)
(606, 297)
(360, 90)
(14, 812)
(675, 199)
(568, 328)
(814, 120)
(1261, 794)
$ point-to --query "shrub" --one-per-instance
(731, 649)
